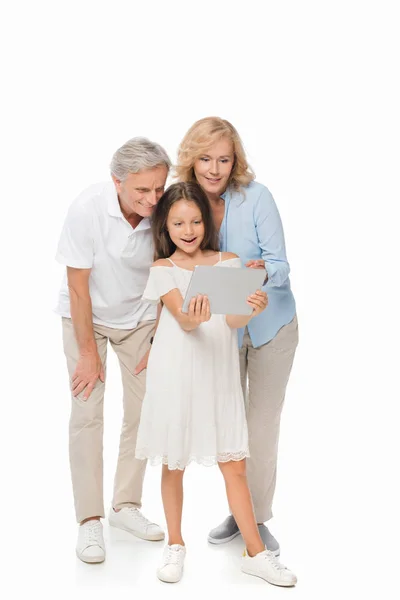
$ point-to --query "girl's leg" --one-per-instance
(241, 505)
(172, 496)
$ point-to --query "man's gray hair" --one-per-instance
(138, 154)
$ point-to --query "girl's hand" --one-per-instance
(258, 302)
(199, 311)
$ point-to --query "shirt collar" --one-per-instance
(233, 195)
(113, 206)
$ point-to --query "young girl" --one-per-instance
(193, 409)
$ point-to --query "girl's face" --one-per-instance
(212, 169)
(185, 226)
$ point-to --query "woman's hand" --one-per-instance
(257, 264)
(198, 312)
(258, 302)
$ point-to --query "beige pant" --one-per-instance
(265, 373)
(86, 422)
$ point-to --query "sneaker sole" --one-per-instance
(271, 581)
(91, 559)
(216, 541)
(222, 540)
(148, 538)
(168, 580)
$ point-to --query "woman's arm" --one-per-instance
(271, 239)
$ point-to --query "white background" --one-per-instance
(313, 88)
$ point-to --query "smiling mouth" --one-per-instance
(189, 241)
(213, 179)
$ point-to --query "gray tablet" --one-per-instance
(227, 288)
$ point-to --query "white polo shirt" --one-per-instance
(97, 236)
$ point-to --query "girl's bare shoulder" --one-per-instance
(162, 262)
(228, 255)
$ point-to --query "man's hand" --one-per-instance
(142, 365)
(88, 370)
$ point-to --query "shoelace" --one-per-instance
(92, 533)
(172, 557)
(274, 562)
(137, 515)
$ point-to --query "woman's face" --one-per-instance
(213, 168)
(185, 226)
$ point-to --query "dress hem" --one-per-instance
(206, 461)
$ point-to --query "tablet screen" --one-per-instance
(227, 289)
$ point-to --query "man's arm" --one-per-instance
(89, 367)
(142, 364)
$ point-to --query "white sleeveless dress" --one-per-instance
(193, 409)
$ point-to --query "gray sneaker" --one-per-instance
(228, 530)
(269, 540)
(225, 532)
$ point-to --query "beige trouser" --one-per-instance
(86, 422)
(266, 371)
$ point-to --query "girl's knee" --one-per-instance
(233, 468)
(172, 473)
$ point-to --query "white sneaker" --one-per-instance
(267, 566)
(172, 568)
(131, 519)
(90, 546)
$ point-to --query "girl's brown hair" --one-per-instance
(191, 192)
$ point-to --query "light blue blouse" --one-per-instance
(252, 229)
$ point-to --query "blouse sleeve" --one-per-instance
(271, 239)
(160, 282)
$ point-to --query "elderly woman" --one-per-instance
(249, 225)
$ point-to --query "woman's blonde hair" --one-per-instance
(200, 137)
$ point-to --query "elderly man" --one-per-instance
(106, 245)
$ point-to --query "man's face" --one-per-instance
(139, 193)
